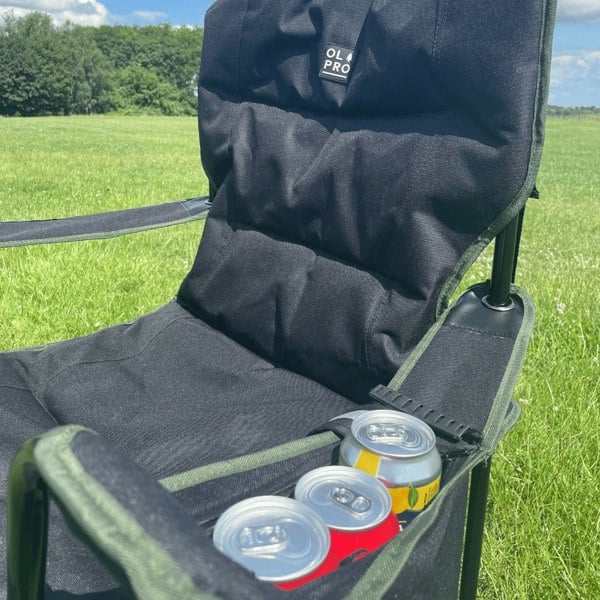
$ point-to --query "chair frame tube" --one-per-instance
(504, 267)
(478, 493)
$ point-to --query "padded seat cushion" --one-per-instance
(169, 391)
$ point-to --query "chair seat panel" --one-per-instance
(174, 393)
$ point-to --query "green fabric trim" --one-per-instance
(249, 462)
(512, 419)
(535, 156)
(151, 570)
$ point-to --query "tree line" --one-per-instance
(573, 111)
(47, 69)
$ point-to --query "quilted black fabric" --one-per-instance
(342, 209)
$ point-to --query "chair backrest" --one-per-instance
(362, 154)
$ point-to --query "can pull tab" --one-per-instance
(350, 500)
(387, 433)
(268, 539)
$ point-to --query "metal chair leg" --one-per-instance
(478, 492)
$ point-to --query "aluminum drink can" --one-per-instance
(279, 539)
(355, 506)
(400, 451)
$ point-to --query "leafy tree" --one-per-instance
(118, 44)
(171, 53)
(91, 75)
(46, 69)
(34, 70)
(573, 111)
(140, 90)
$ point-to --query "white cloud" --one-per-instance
(587, 11)
(575, 66)
(575, 78)
(83, 12)
(149, 15)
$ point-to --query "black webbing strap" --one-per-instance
(102, 225)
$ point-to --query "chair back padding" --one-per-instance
(345, 212)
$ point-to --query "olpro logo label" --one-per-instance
(337, 63)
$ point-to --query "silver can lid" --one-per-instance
(392, 433)
(278, 539)
(347, 499)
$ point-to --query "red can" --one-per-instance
(356, 508)
(279, 539)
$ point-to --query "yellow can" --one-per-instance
(399, 450)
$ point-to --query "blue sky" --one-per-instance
(575, 79)
(142, 12)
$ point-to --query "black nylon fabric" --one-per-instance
(433, 568)
(341, 210)
(339, 213)
(137, 384)
(464, 365)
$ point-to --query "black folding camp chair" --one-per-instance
(360, 157)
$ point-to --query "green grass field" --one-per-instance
(543, 530)
(60, 166)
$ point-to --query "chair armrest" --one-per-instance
(467, 365)
(132, 523)
(102, 225)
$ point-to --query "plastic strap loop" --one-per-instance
(443, 425)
